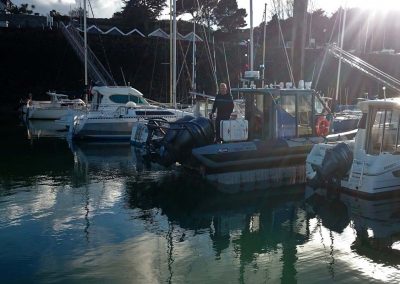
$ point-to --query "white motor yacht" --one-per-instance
(104, 99)
(114, 111)
(58, 106)
(370, 163)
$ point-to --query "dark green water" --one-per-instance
(90, 213)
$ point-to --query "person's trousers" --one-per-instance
(217, 129)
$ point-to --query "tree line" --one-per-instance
(365, 31)
(365, 34)
(223, 14)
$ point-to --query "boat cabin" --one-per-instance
(54, 97)
(60, 100)
(283, 113)
(110, 97)
(380, 126)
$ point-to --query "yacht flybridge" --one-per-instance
(269, 145)
(113, 113)
(370, 163)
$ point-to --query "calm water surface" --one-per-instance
(81, 213)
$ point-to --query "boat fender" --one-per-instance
(336, 163)
(322, 126)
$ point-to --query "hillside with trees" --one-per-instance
(37, 60)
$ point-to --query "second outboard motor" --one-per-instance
(337, 162)
(176, 127)
(183, 136)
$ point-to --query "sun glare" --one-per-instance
(374, 5)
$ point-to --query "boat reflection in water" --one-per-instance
(245, 230)
(111, 160)
(281, 238)
(377, 223)
(119, 222)
(37, 129)
(372, 225)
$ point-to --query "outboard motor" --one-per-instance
(337, 162)
(183, 136)
(175, 127)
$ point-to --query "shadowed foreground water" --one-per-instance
(88, 212)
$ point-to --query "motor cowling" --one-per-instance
(183, 136)
(336, 163)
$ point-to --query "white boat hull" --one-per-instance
(106, 128)
(374, 175)
(58, 107)
(119, 123)
(48, 113)
(369, 174)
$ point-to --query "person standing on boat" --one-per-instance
(223, 104)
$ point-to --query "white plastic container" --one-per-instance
(234, 130)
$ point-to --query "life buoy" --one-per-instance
(322, 126)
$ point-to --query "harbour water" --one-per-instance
(81, 213)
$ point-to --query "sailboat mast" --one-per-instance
(174, 55)
(340, 59)
(85, 43)
(215, 66)
(194, 58)
(251, 37)
(170, 51)
(263, 62)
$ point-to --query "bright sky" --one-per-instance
(329, 6)
(106, 8)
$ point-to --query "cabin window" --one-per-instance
(319, 107)
(286, 116)
(123, 99)
(259, 116)
(294, 115)
(258, 108)
(288, 104)
(383, 132)
(154, 112)
(304, 110)
(96, 100)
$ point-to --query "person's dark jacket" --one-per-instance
(224, 106)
